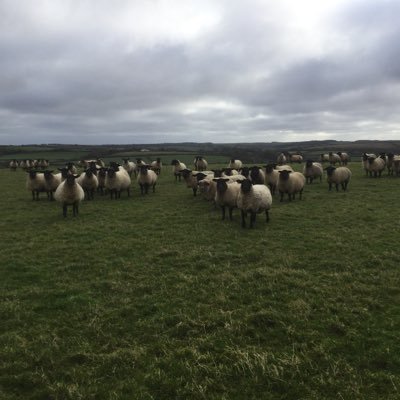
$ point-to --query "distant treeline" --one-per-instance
(247, 152)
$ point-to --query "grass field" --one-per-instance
(156, 298)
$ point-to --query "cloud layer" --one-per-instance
(170, 71)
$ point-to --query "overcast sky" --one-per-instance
(102, 71)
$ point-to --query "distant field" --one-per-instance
(156, 298)
(48, 155)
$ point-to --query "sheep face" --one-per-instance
(309, 163)
(284, 174)
(269, 168)
(221, 184)
(329, 170)
(246, 185)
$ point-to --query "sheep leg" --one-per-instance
(64, 210)
(75, 209)
(290, 197)
(141, 189)
(252, 218)
(129, 192)
(244, 215)
(281, 193)
(266, 216)
(300, 194)
(230, 213)
(337, 187)
(154, 188)
(223, 212)
(330, 186)
(33, 195)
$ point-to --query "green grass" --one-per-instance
(155, 298)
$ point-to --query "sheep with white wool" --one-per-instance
(156, 166)
(344, 157)
(117, 180)
(51, 183)
(35, 183)
(69, 193)
(200, 163)
(235, 164)
(312, 170)
(177, 167)
(129, 166)
(324, 157)
(226, 195)
(396, 165)
(89, 182)
(364, 161)
(295, 158)
(13, 165)
(334, 158)
(253, 199)
(281, 159)
(272, 175)
(338, 176)
(146, 178)
(376, 166)
(257, 175)
(291, 183)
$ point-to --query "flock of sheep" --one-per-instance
(250, 189)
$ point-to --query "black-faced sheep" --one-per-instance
(291, 183)
(226, 195)
(146, 178)
(338, 176)
(253, 199)
(312, 170)
(69, 192)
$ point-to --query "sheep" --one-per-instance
(390, 163)
(117, 180)
(129, 166)
(338, 176)
(396, 164)
(146, 178)
(208, 188)
(200, 163)
(226, 195)
(334, 158)
(35, 183)
(364, 161)
(291, 183)
(254, 199)
(139, 163)
(177, 167)
(245, 171)
(344, 157)
(13, 165)
(190, 179)
(281, 159)
(43, 164)
(68, 193)
(235, 164)
(101, 179)
(51, 183)
(156, 166)
(230, 171)
(89, 182)
(295, 158)
(72, 169)
(312, 170)
(324, 157)
(257, 175)
(100, 163)
(271, 177)
(376, 165)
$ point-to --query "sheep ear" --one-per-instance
(225, 179)
(240, 180)
(76, 176)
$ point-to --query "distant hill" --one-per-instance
(248, 152)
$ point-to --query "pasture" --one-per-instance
(154, 297)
